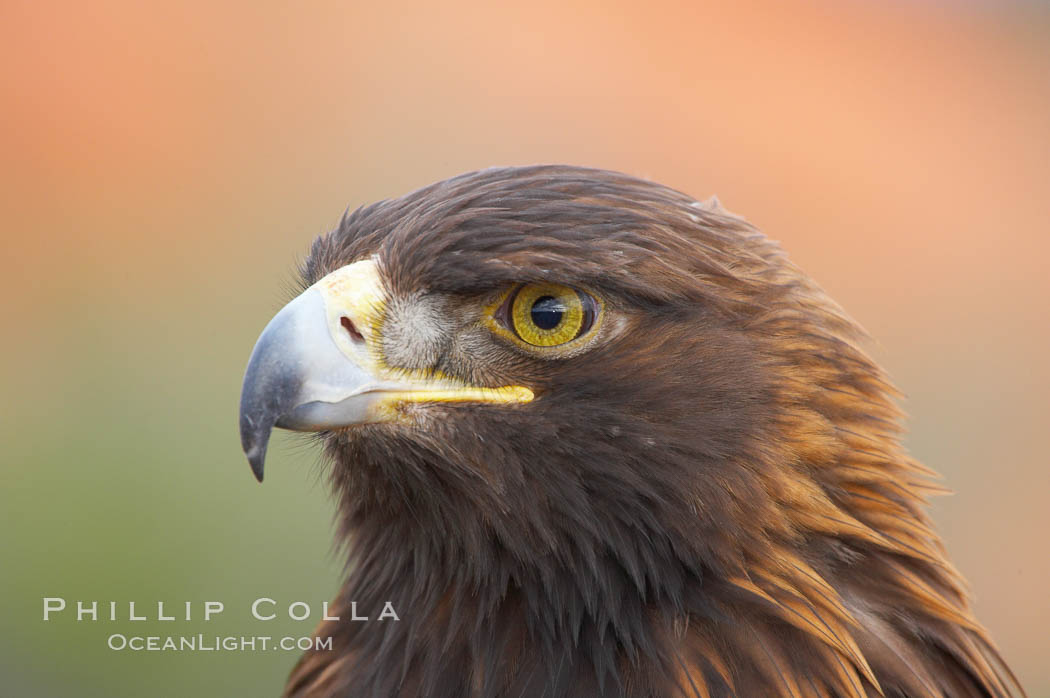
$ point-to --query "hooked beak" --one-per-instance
(317, 365)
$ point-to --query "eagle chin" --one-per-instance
(592, 437)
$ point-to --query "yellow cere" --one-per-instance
(357, 292)
(547, 329)
(354, 291)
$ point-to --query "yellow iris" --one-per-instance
(546, 315)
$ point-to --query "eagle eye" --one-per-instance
(548, 315)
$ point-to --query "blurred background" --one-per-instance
(165, 165)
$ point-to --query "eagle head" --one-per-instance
(590, 436)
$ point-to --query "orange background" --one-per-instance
(164, 166)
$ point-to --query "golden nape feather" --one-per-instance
(591, 437)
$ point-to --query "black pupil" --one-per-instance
(547, 312)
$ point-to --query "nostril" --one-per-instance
(348, 324)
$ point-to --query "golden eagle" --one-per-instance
(592, 437)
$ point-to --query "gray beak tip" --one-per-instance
(254, 443)
(256, 460)
(254, 439)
